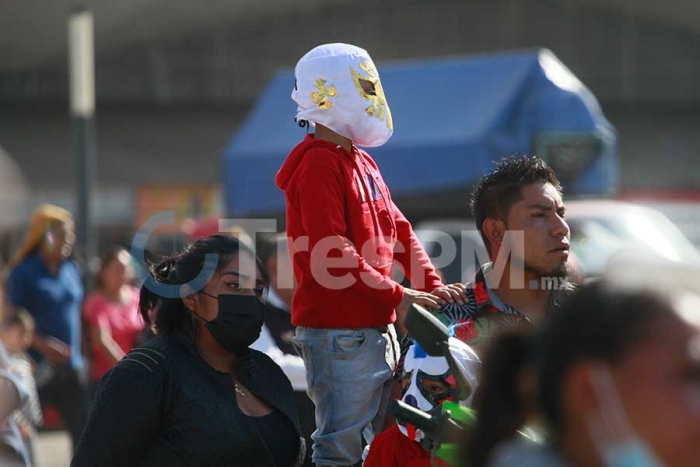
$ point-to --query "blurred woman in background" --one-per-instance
(197, 394)
(619, 382)
(46, 282)
(111, 312)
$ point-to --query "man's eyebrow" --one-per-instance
(544, 207)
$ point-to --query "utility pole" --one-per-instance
(81, 55)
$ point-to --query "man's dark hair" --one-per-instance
(496, 192)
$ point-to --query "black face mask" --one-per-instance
(238, 323)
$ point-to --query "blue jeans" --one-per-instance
(349, 376)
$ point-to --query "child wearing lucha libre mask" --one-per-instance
(345, 232)
(427, 382)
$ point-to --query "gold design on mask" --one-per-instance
(323, 93)
(379, 107)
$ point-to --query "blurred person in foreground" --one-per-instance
(16, 334)
(344, 233)
(427, 382)
(277, 332)
(197, 394)
(111, 313)
(46, 282)
(618, 382)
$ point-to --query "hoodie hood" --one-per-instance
(293, 160)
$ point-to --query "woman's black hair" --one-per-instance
(597, 323)
(171, 316)
(498, 402)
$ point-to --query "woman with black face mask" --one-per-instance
(197, 395)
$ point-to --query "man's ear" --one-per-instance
(494, 230)
(188, 297)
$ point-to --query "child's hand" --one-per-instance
(452, 293)
(423, 299)
(410, 297)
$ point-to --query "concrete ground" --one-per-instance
(52, 449)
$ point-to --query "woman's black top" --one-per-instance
(163, 405)
(280, 437)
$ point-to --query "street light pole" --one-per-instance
(81, 55)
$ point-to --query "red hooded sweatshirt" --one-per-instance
(344, 234)
(391, 448)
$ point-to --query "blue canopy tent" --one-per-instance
(452, 118)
